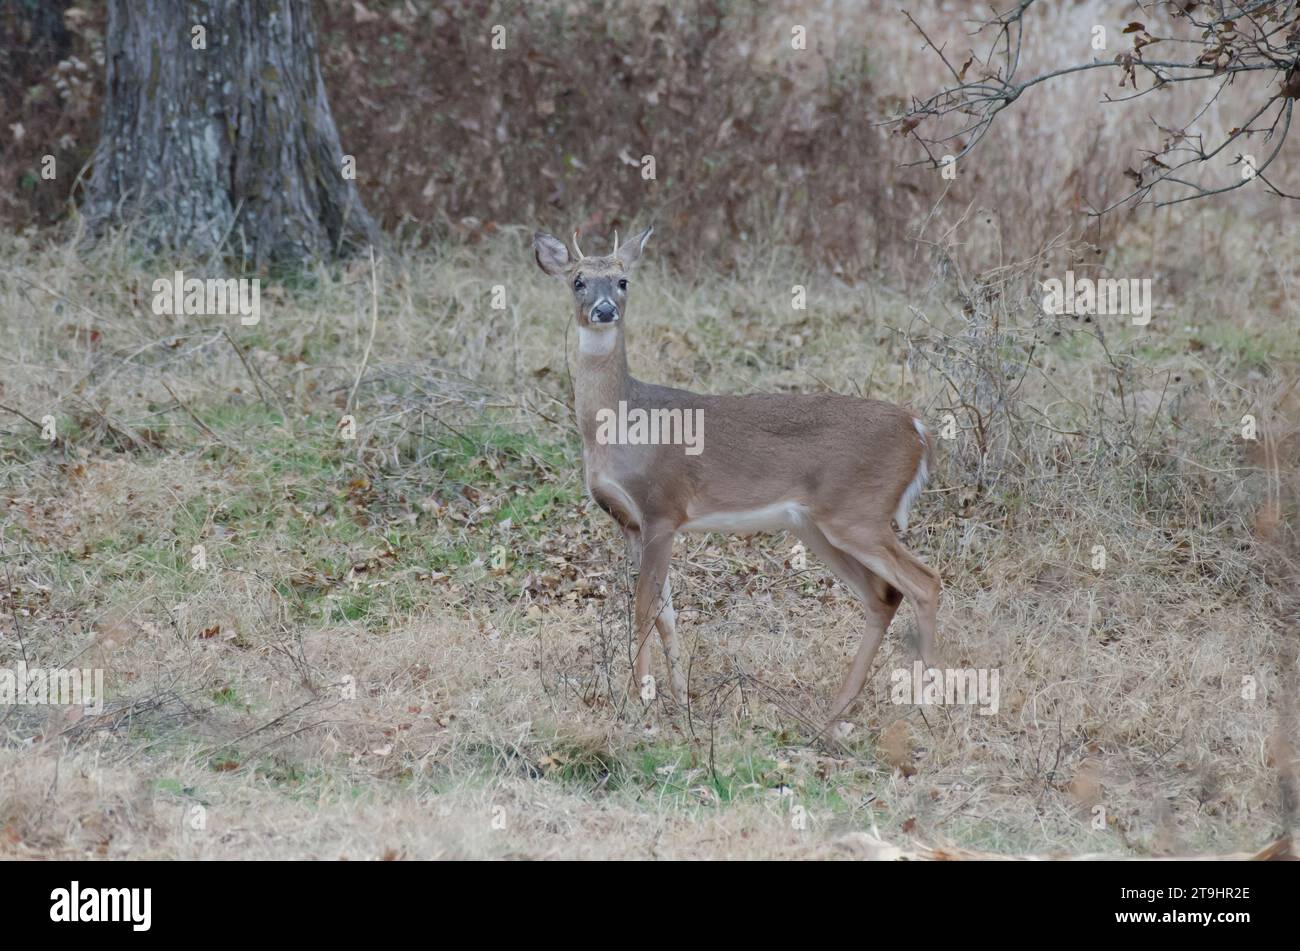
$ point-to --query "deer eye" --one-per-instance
(622, 284)
(577, 284)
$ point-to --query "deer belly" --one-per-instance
(768, 518)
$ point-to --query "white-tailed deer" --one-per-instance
(834, 470)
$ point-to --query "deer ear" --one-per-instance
(551, 254)
(630, 253)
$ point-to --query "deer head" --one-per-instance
(599, 284)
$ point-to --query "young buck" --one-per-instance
(831, 469)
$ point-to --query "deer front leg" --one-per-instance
(633, 538)
(654, 610)
(666, 622)
(665, 619)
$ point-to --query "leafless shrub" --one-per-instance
(1211, 45)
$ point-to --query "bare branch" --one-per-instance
(1253, 40)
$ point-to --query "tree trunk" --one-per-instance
(229, 149)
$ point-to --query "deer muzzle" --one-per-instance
(603, 312)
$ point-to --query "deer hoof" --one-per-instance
(839, 731)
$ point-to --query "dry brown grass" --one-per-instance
(477, 690)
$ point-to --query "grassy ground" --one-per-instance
(413, 643)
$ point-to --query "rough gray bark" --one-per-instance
(230, 149)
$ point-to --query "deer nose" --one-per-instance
(603, 313)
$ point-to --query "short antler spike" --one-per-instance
(616, 241)
(575, 246)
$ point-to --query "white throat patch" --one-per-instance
(596, 342)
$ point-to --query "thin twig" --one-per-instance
(374, 321)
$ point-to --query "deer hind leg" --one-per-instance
(885, 556)
(654, 610)
(879, 598)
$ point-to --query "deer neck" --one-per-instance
(602, 379)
